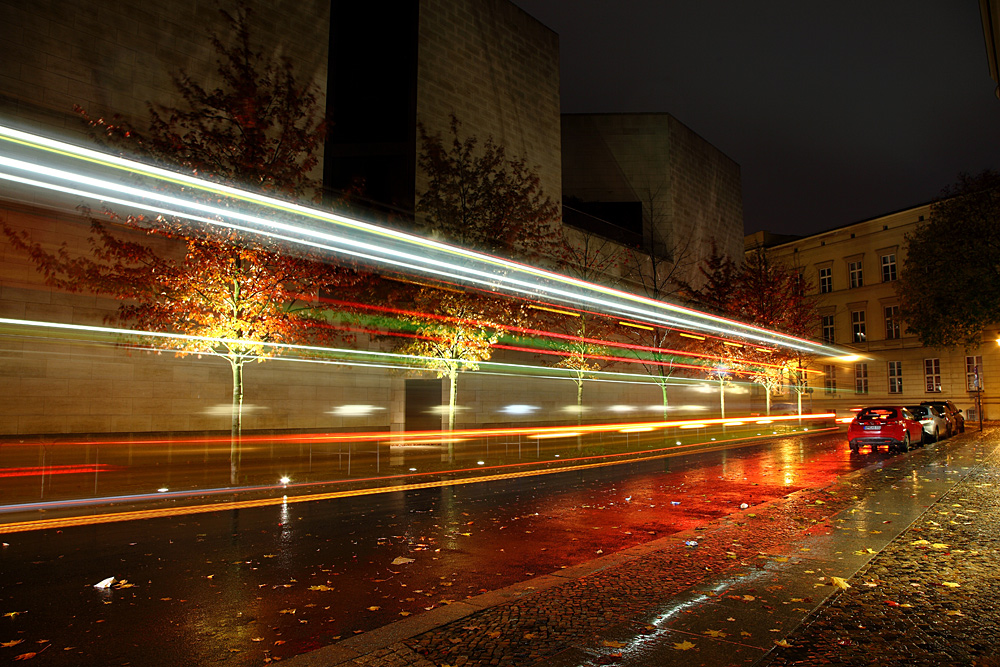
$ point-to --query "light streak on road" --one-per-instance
(40, 163)
(541, 333)
(566, 464)
(434, 437)
(337, 356)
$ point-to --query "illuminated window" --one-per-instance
(888, 268)
(828, 329)
(861, 378)
(857, 277)
(932, 376)
(974, 373)
(895, 377)
(830, 379)
(858, 326)
(825, 280)
(891, 322)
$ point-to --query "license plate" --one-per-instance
(873, 428)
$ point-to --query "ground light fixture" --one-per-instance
(285, 480)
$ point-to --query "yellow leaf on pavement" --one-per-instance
(611, 644)
(684, 645)
(714, 633)
(782, 642)
(840, 582)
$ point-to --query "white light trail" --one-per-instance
(94, 176)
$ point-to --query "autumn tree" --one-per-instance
(480, 198)
(591, 258)
(454, 331)
(764, 294)
(949, 282)
(237, 296)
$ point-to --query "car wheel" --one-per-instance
(937, 435)
(905, 446)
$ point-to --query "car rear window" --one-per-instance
(918, 411)
(879, 413)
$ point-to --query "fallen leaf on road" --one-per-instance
(26, 656)
(715, 633)
(612, 644)
(256, 639)
(104, 583)
(287, 611)
(374, 608)
(840, 583)
(949, 584)
(954, 612)
(402, 561)
(782, 642)
(749, 598)
(684, 645)
(493, 635)
(13, 642)
(404, 613)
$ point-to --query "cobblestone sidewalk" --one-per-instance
(932, 597)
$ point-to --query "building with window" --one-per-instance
(852, 271)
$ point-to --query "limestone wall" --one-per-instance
(497, 69)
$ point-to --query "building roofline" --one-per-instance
(852, 224)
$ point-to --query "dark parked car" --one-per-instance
(948, 409)
(893, 426)
(936, 426)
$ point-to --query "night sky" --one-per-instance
(836, 112)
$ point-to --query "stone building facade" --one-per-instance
(852, 272)
(654, 183)
(485, 61)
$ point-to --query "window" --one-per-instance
(888, 268)
(974, 373)
(857, 277)
(830, 379)
(932, 375)
(825, 280)
(858, 326)
(860, 378)
(828, 328)
(895, 377)
(891, 322)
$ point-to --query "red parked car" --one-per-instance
(893, 426)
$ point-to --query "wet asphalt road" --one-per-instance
(242, 587)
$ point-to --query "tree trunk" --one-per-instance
(579, 410)
(452, 394)
(767, 394)
(722, 397)
(235, 451)
(666, 401)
